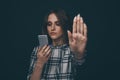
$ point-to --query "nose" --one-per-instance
(53, 27)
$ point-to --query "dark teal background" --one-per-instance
(22, 21)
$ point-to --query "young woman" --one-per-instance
(58, 60)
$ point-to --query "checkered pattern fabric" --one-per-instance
(60, 66)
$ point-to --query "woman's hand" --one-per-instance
(43, 54)
(78, 37)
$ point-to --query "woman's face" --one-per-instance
(53, 27)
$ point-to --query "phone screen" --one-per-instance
(43, 40)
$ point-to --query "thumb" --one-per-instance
(69, 36)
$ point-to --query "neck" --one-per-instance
(58, 42)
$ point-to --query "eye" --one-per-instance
(57, 23)
(49, 24)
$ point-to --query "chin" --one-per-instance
(53, 37)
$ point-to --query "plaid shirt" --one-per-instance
(60, 65)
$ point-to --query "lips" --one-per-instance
(52, 33)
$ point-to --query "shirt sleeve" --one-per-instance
(79, 61)
(33, 59)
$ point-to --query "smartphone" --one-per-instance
(43, 40)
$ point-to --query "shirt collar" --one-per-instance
(59, 46)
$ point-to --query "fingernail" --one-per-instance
(79, 15)
(67, 30)
(75, 18)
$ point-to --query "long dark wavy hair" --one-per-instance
(65, 23)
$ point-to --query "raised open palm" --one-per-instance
(78, 37)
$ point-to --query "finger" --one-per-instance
(69, 36)
(81, 26)
(48, 53)
(78, 23)
(43, 48)
(74, 25)
(39, 49)
(46, 50)
(85, 30)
